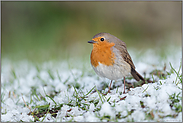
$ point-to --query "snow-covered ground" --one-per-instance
(57, 84)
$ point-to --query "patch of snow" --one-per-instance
(138, 115)
(90, 117)
(106, 109)
(78, 118)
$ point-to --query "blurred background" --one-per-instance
(42, 31)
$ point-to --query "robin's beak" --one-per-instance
(92, 41)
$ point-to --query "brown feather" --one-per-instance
(136, 75)
(124, 53)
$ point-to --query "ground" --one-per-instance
(63, 91)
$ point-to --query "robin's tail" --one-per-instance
(136, 75)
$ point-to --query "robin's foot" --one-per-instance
(124, 92)
(104, 94)
(107, 92)
(123, 98)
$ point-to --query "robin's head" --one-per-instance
(104, 39)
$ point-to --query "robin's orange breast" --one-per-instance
(102, 54)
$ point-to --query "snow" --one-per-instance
(107, 110)
(150, 102)
(92, 107)
(29, 78)
(90, 117)
(138, 115)
(78, 118)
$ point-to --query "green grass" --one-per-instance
(43, 110)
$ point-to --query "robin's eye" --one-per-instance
(102, 39)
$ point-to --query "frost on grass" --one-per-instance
(55, 92)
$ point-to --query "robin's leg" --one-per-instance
(124, 86)
(109, 87)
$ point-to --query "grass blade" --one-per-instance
(51, 99)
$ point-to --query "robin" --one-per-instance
(110, 58)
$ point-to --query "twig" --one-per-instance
(26, 104)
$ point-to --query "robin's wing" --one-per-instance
(127, 58)
(124, 53)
